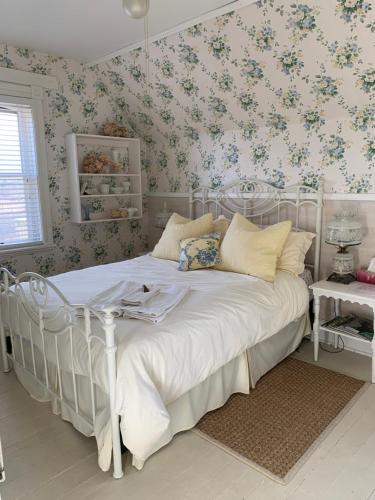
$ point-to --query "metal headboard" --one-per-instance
(262, 202)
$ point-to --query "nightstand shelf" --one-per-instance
(342, 334)
(354, 293)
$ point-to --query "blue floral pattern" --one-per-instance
(85, 99)
(265, 90)
(199, 253)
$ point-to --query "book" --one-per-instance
(352, 325)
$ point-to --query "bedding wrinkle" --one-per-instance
(223, 314)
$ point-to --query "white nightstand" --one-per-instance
(356, 292)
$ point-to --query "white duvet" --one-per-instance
(222, 315)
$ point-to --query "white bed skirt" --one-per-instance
(267, 354)
(237, 376)
(241, 374)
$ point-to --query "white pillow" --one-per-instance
(294, 252)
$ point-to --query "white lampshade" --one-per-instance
(136, 8)
(345, 230)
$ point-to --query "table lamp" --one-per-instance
(343, 232)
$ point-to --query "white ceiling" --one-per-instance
(87, 30)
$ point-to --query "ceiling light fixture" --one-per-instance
(137, 9)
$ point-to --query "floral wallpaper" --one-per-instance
(85, 99)
(279, 90)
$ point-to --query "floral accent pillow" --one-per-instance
(199, 253)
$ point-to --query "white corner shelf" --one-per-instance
(111, 219)
(77, 146)
(108, 195)
(104, 138)
(107, 175)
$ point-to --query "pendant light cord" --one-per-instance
(147, 52)
(147, 70)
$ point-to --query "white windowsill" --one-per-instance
(27, 249)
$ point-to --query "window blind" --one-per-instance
(20, 207)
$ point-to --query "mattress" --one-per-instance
(223, 315)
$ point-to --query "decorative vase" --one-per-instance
(104, 188)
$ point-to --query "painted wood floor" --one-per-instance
(46, 459)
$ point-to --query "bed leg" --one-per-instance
(110, 350)
(6, 367)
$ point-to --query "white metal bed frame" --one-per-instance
(253, 198)
(258, 200)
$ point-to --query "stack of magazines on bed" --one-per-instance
(136, 300)
(352, 325)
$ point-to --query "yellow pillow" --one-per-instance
(240, 222)
(294, 252)
(176, 218)
(296, 247)
(221, 225)
(176, 230)
(255, 252)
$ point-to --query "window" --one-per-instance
(25, 220)
(20, 207)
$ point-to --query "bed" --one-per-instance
(112, 376)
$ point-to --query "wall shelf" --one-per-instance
(120, 219)
(105, 138)
(78, 146)
(107, 175)
(108, 195)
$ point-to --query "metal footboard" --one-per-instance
(50, 337)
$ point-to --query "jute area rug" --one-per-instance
(276, 426)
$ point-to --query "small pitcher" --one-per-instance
(132, 211)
